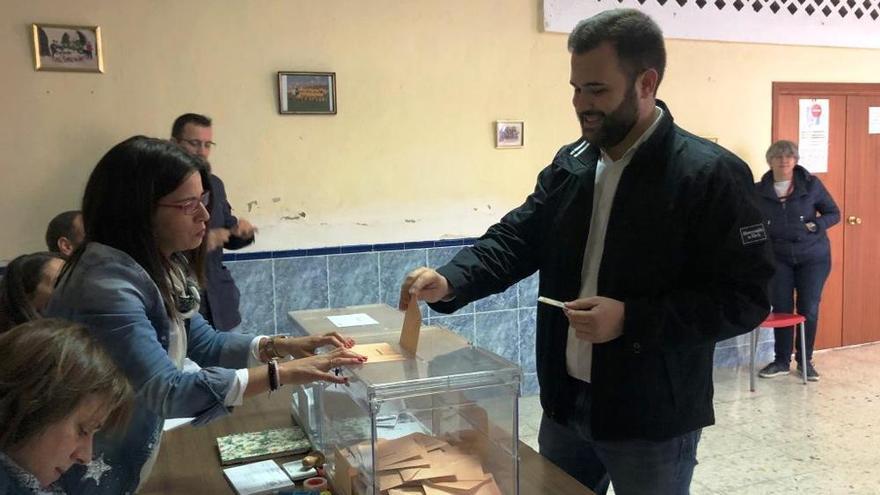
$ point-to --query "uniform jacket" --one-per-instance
(111, 294)
(685, 250)
(785, 220)
(221, 297)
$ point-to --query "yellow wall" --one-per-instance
(420, 84)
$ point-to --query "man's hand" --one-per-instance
(596, 319)
(243, 229)
(426, 284)
(217, 238)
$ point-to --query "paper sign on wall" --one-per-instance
(813, 134)
(873, 120)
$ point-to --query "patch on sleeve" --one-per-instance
(752, 234)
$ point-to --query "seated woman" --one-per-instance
(27, 286)
(57, 388)
(131, 282)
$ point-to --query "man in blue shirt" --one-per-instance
(220, 296)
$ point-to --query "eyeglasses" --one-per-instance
(190, 206)
(197, 143)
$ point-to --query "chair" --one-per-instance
(777, 320)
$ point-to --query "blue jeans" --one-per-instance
(806, 278)
(634, 466)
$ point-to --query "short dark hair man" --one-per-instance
(653, 238)
(65, 233)
(220, 297)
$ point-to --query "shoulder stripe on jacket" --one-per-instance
(579, 148)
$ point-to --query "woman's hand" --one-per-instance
(318, 368)
(300, 347)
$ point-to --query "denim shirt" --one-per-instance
(14, 480)
(111, 294)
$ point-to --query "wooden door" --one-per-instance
(785, 126)
(861, 225)
(849, 313)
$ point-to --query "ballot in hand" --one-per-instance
(594, 319)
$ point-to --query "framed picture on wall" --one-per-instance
(508, 134)
(67, 48)
(307, 92)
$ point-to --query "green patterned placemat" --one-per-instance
(258, 445)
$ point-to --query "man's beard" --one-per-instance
(616, 125)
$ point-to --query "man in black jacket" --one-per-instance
(652, 236)
(220, 296)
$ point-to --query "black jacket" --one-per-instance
(220, 297)
(809, 202)
(685, 250)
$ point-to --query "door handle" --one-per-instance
(854, 220)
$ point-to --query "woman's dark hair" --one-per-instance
(22, 277)
(121, 199)
(47, 368)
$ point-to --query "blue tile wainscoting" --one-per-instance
(274, 283)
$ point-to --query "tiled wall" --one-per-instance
(272, 284)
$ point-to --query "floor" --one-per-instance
(785, 437)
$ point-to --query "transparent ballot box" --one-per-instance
(441, 420)
(352, 321)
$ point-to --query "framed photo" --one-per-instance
(67, 48)
(307, 92)
(508, 134)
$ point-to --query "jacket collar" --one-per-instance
(800, 176)
(588, 154)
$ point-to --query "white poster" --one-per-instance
(873, 120)
(813, 135)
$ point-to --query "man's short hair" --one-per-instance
(636, 37)
(189, 118)
(60, 226)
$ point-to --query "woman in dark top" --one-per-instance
(27, 286)
(798, 211)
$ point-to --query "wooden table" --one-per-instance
(188, 462)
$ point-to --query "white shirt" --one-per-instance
(579, 353)
(781, 188)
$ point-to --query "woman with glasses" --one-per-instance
(133, 283)
(798, 211)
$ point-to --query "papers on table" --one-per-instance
(173, 423)
(257, 478)
(353, 320)
(297, 471)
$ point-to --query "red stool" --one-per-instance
(777, 320)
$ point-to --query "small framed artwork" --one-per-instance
(307, 92)
(67, 48)
(508, 134)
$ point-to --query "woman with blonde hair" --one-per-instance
(58, 387)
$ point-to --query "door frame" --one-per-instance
(787, 89)
(831, 89)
